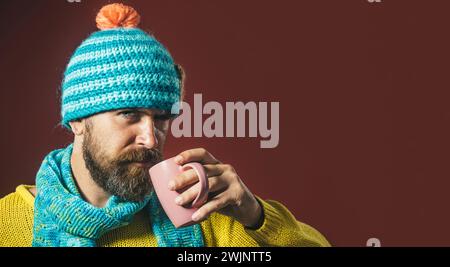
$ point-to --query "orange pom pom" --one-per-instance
(117, 15)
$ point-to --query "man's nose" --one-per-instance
(147, 136)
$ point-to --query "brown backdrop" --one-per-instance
(363, 92)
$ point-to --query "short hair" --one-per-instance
(182, 77)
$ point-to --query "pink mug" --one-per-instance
(161, 174)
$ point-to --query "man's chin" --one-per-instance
(135, 191)
(145, 165)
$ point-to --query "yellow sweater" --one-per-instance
(280, 228)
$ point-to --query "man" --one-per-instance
(117, 94)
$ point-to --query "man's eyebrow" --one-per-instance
(153, 111)
(163, 112)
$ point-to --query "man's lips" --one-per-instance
(147, 163)
(142, 163)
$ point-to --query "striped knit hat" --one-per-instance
(119, 66)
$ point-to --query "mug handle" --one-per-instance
(203, 180)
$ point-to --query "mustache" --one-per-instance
(140, 155)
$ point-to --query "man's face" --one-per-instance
(120, 146)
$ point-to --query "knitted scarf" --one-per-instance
(63, 218)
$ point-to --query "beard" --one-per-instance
(118, 176)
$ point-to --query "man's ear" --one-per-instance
(77, 126)
(182, 77)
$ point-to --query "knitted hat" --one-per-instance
(118, 67)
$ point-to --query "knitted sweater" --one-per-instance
(280, 228)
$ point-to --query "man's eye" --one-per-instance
(163, 117)
(129, 114)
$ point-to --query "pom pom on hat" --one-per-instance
(117, 15)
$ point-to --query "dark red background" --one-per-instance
(363, 91)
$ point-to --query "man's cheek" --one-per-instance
(161, 137)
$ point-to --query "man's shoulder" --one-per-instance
(17, 204)
(10, 201)
(21, 197)
(16, 217)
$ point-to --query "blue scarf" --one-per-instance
(63, 219)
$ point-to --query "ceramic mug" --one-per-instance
(161, 174)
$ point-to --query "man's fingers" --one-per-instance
(198, 155)
(189, 177)
(219, 202)
(215, 184)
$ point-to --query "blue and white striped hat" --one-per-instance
(119, 66)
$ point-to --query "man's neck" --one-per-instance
(88, 189)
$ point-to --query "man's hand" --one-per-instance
(227, 193)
